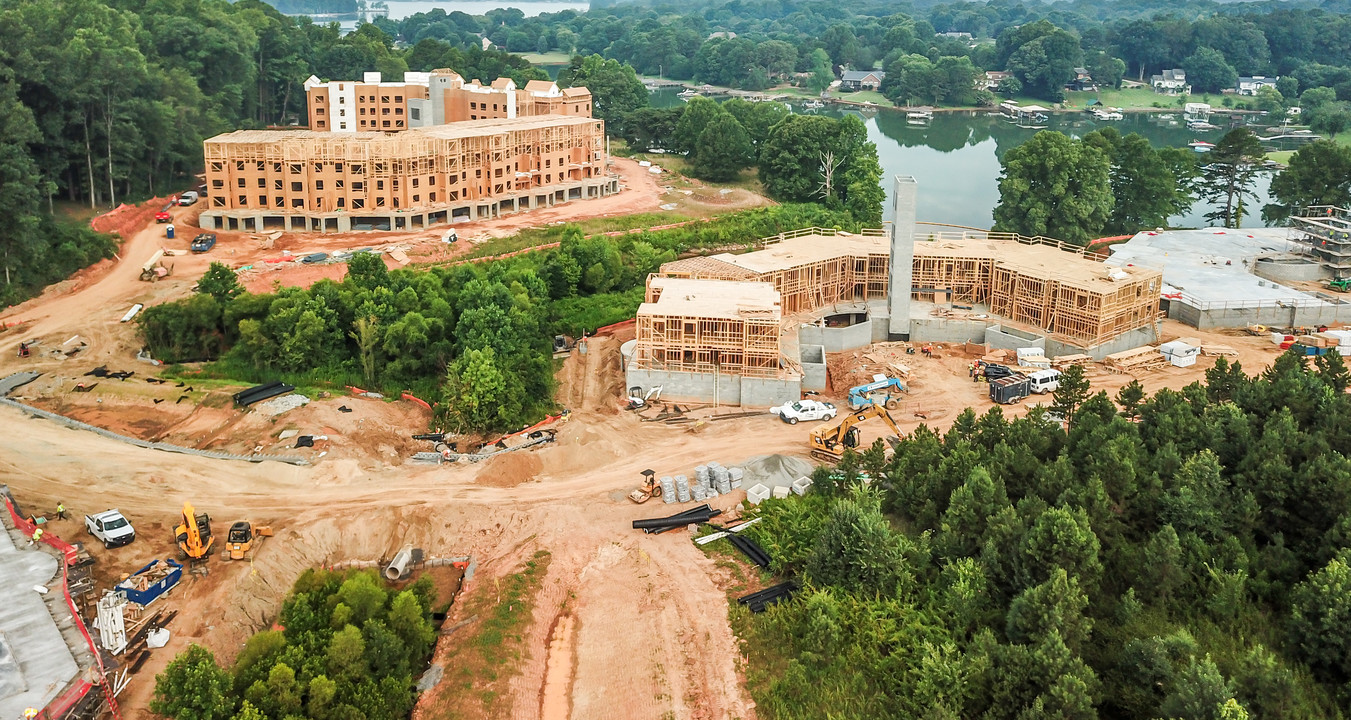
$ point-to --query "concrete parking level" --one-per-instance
(35, 662)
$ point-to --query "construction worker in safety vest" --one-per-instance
(30, 713)
(37, 535)
(61, 510)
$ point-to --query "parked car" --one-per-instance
(111, 527)
(794, 412)
(204, 242)
(187, 198)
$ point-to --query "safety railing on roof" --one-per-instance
(828, 232)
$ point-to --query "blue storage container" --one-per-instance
(154, 591)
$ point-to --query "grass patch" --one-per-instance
(485, 653)
(548, 58)
(1125, 98)
(532, 237)
(748, 179)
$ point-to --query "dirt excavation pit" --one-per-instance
(555, 697)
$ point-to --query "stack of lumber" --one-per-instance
(1218, 350)
(1318, 341)
(1140, 359)
(1060, 362)
(999, 356)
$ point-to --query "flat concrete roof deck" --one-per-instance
(724, 299)
(1213, 265)
(35, 662)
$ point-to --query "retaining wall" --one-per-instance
(999, 337)
(949, 330)
(814, 373)
(729, 389)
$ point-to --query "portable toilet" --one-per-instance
(169, 231)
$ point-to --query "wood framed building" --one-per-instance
(709, 326)
(811, 268)
(307, 180)
(1039, 283)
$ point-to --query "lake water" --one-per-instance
(400, 9)
(956, 156)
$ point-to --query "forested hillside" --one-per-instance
(1186, 555)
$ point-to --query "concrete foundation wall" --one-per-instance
(1290, 270)
(1126, 341)
(730, 389)
(999, 337)
(766, 392)
(814, 374)
(1271, 315)
(836, 339)
(947, 330)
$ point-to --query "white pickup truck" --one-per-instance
(110, 527)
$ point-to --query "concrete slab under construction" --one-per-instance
(35, 662)
(1217, 277)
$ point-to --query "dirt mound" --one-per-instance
(127, 220)
(774, 470)
(511, 469)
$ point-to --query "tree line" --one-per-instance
(349, 648)
(475, 338)
(1185, 555)
(1106, 184)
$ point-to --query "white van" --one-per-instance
(188, 197)
(1044, 381)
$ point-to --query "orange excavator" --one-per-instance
(829, 441)
(194, 534)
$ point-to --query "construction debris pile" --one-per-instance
(859, 367)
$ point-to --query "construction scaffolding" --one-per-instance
(810, 268)
(709, 326)
(1325, 233)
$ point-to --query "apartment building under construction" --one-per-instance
(754, 328)
(339, 181)
(425, 99)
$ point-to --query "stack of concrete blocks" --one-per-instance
(682, 484)
(722, 480)
(668, 489)
(735, 476)
(801, 485)
(757, 493)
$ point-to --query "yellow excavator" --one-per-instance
(828, 442)
(194, 534)
(241, 539)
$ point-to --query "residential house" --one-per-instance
(956, 35)
(1250, 85)
(1082, 80)
(861, 79)
(993, 78)
(1171, 82)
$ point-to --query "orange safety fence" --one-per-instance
(67, 699)
(530, 429)
(413, 398)
(356, 390)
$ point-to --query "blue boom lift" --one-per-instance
(882, 390)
